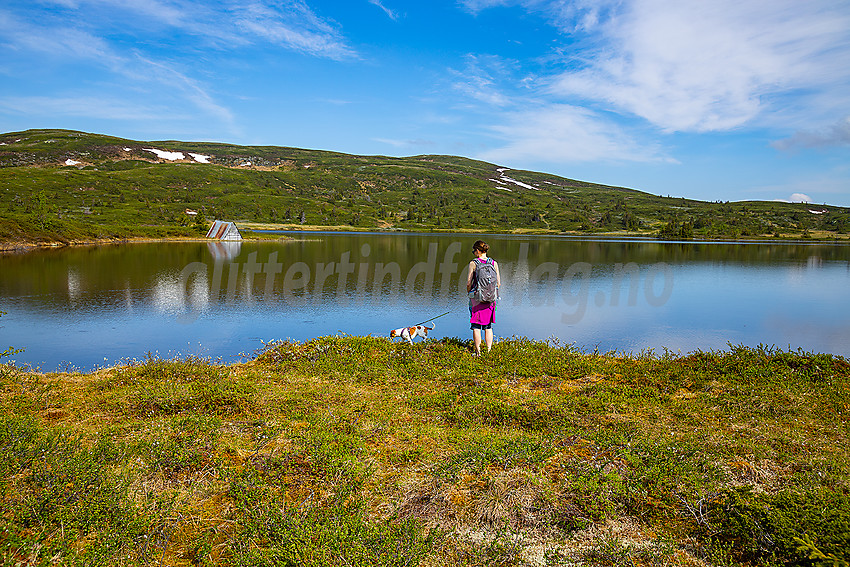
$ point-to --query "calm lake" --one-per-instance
(84, 307)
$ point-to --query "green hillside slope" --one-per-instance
(60, 185)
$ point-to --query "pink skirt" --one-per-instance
(481, 313)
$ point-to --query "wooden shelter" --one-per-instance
(224, 230)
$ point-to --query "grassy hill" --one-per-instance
(60, 185)
(360, 451)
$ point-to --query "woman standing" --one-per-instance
(483, 293)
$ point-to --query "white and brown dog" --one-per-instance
(411, 333)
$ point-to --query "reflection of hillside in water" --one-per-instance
(343, 267)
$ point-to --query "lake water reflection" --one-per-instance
(91, 306)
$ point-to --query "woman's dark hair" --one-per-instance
(481, 246)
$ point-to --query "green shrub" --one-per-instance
(501, 452)
(171, 387)
(4, 371)
(64, 500)
(187, 445)
(787, 528)
(333, 528)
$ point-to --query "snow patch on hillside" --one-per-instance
(520, 183)
(501, 185)
(162, 154)
(200, 158)
(505, 179)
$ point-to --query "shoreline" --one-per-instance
(284, 230)
(242, 360)
(26, 246)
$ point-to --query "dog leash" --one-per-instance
(431, 319)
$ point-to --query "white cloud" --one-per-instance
(795, 198)
(478, 80)
(61, 41)
(576, 15)
(175, 13)
(836, 135)
(536, 129)
(420, 143)
(65, 44)
(90, 107)
(712, 66)
(697, 66)
(391, 14)
(564, 133)
(191, 90)
(293, 25)
(476, 6)
(800, 198)
(824, 185)
(687, 66)
(80, 32)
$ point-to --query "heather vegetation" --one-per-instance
(360, 451)
(116, 188)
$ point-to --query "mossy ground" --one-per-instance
(360, 451)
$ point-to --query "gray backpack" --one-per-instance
(484, 281)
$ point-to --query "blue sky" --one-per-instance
(707, 99)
